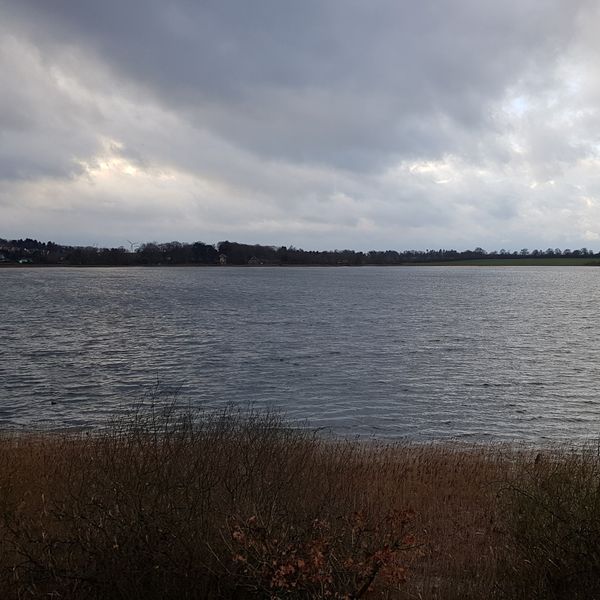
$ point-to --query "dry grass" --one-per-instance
(239, 506)
(553, 518)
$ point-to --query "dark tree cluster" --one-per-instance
(176, 253)
(233, 253)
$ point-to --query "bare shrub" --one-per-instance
(235, 504)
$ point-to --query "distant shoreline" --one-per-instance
(30, 252)
(541, 262)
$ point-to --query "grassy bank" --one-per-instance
(239, 506)
(521, 262)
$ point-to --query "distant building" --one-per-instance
(254, 261)
(222, 259)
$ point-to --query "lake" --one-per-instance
(419, 353)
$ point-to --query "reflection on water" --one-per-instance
(474, 353)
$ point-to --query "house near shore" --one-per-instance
(222, 259)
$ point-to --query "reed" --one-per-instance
(234, 504)
(553, 518)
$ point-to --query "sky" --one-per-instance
(322, 124)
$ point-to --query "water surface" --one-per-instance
(473, 353)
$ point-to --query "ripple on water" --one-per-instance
(417, 353)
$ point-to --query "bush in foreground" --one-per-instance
(173, 507)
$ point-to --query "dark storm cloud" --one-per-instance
(353, 84)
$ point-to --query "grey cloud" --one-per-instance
(351, 84)
(43, 127)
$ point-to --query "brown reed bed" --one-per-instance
(236, 505)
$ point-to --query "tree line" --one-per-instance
(233, 253)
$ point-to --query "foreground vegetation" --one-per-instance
(239, 506)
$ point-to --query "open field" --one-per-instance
(239, 506)
(521, 262)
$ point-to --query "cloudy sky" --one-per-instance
(320, 124)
